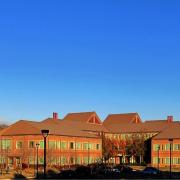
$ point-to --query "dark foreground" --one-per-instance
(106, 172)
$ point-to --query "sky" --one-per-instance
(114, 56)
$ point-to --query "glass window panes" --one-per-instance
(78, 145)
(52, 144)
(6, 143)
(19, 144)
(31, 144)
(71, 145)
(98, 146)
(85, 146)
(78, 160)
(85, 160)
(41, 144)
(90, 146)
(155, 147)
(63, 160)
(176, 147)
(167, 147)
(63, 145)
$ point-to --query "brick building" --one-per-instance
(76, 139)
(156, 132)
(73, 140)
(161, 143)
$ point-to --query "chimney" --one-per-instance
(170, 119)
(55, 115)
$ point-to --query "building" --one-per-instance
(164, 142)
(77, 139)
(154, 132)
(73, 140)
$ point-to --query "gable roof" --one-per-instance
(121, 119)
(83, 117)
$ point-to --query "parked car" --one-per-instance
(124, 168)
(150, 170)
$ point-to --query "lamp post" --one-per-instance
(158, 148)
(37, 159)
(171, 142)
(45, 133)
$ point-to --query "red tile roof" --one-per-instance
(24, 127)
(121, 119)
(173, 131)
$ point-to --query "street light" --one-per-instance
(37, 146)
(45, 133)
(158, 148)
(171, 142)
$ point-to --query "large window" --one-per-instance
(97, 146)
(155, 147)
(71, 145)
(78, 160)
(31, 160)
(63, 160)
(31, 144)
(167, 147)
(71, 160)
(176, 147)
(19, 144)
(85, 160)
(41, 144)
(52, 144)
(155, 160)
(78, 145)
(63, 145)
(167, 160)
(90, 146)
(6, 143)
(58, 143)
(85, 146)
(176, 160)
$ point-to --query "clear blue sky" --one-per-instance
(89, 55)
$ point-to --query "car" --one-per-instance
(150, 170)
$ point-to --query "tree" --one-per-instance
(135, 145)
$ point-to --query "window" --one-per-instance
(78, 145)
(90, 146)
(41, 160)
(31, 144)
(91, 160)
(31, 160)
(167, 147)
(41, 144)
(6, 143)
(63, 145)
(155, 147)
(78, 160)
(63, 160)
(176, 147)
(85, 146)
(167, 160)
(58, 145)
(71, 146)
(52, 144)
(85, 160)
(98, 146)
(19, 144)
(155, 160)
(71, 160)
(176, 160)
